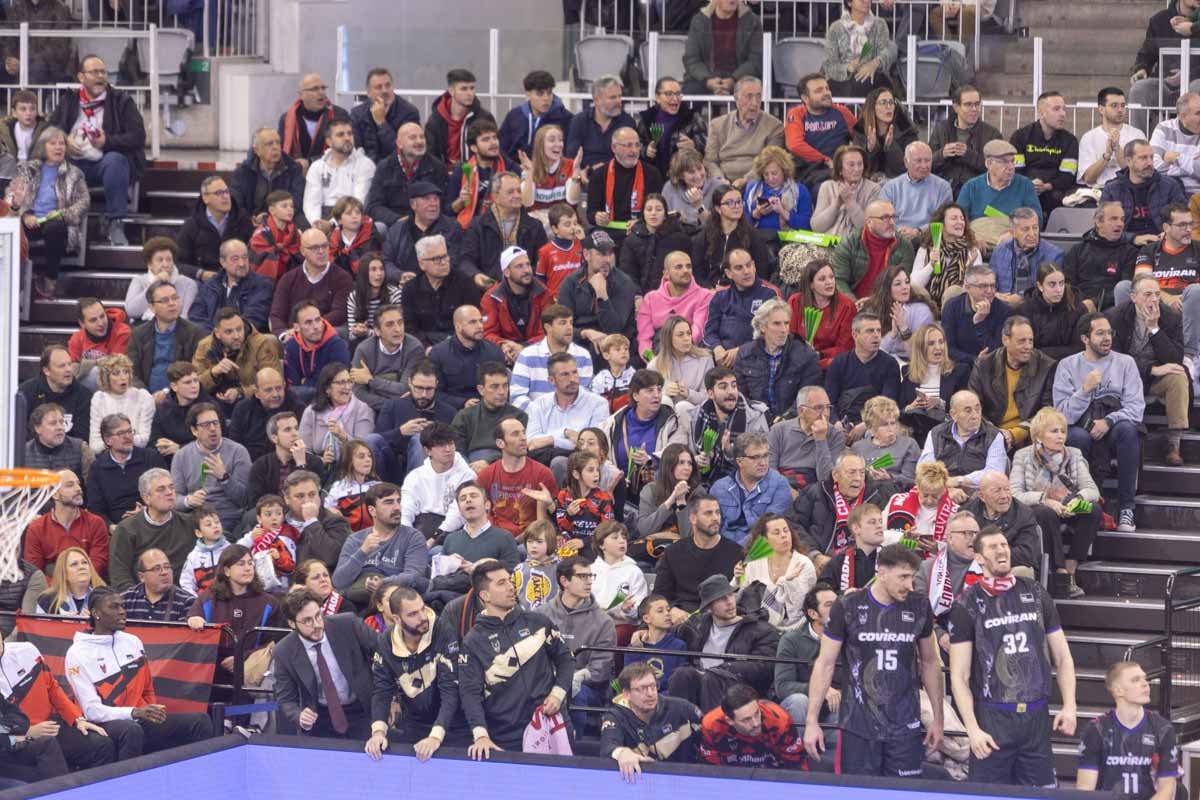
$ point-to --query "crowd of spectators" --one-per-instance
(437, 396)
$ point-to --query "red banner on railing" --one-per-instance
(182, 661)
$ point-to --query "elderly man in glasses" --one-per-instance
(319, 282)
(864, 255)
(155, 596)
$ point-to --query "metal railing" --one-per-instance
(1180, 641)
(1005, 115)
(147, 96)
(781, 18)
(221, 27)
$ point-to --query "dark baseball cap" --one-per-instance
(598, 239)
(423, 188)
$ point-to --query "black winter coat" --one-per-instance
(250, 187)
(387, 199)
(643, 252)
(814, 510)
(1054, 326)
(483, 243)
(1095, 266)
(199, 242)
(800, 367)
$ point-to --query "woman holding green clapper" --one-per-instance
(901, 309)
(818, 289)
(1052, 478)
(857, 51)
(939, 269)
(786, 574)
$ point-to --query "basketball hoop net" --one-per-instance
(23, 492)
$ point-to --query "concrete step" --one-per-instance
(104, 256)
(1120, 579)
(102, 284)
(62, 311)
(1170, 546)
(1108, 613)
(183, 180)
(171, 202)
(1097, 649)
(1066, 762)
(1162, 479)
(1111, 16)
(35, 338)
(1163, 511)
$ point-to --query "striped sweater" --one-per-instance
(530, 378)
(1172, 137)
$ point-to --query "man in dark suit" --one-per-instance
(323, 670)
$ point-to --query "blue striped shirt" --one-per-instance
(530, 379)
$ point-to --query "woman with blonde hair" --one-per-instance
(72, 583)
(922, 513)
(883, 436)
(1052, 478)
(774, 199)
(929, 380)
(843, 199)
(117, 395)
(683, 365)
(548, 178)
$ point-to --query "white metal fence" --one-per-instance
(1006, 115)
(146, 95)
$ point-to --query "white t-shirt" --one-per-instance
(1091, 149)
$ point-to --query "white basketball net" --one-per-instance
(18, 506)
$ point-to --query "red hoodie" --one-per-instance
(82, 345)
(308, 352)
(453, 131)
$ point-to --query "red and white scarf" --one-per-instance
(841, 538)
(637, 197)
(941, 592)
(903, 509)
(994, 587)
(265, 541)
(88, 105)
(331, 604)
(846, 578)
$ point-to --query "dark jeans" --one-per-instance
(1122, 439)
(115, 174)
(54, 235)
(133, 738)
(1083, 527)
(35, 760)
(83, 752)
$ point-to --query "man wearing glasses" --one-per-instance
(107, 140)
(303, 126)
(319, 282)
(169, 338)
(212, 470)
(864, 255)
(583, 623)
(804, 449)
(943, 577)
(155, 596)
(112, 480)
(214, 221)
(974, 320)
(958, 141)
(755, 489)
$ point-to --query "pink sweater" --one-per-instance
(692, 305)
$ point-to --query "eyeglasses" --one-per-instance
(167, 300)
(756, 456)
(885, 217)
(731, 203)
(671, 94)
(316, 248)
(819, 409)
(320, 88)
(209, 424)
(885, 102)
(1184, 224)
(219, 192)
(412, 387)
(984, 286)
(444, 258)
(125, 432)
(157, 569)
